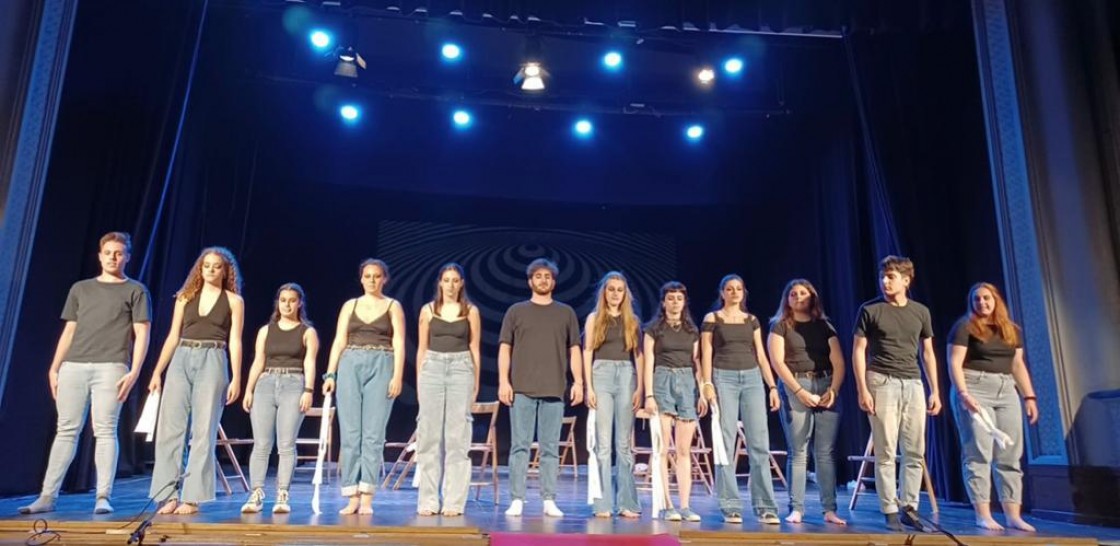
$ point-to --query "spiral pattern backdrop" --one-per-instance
(494, 259)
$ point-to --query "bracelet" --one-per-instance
(1025, 398)
(308, 390)
(649, 396)
(329, 376)
(799, 389)
(773, 387)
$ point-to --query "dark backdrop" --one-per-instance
(827, 154)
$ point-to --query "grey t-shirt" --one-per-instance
(892, 334)
(105, 313)
(541, 337)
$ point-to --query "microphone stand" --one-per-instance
(137, 536)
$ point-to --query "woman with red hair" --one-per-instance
(986, 366)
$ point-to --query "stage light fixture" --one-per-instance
(612, 60)
(451, 52)
(531, 76)
(320, 39)
(462, 119)
(694, 132)
(349, 61)
(583, 128)
(733, 66)
(350, 113)
(706, 75)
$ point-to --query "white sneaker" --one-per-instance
(255, 502)
(281, 506)
(515, 508)
(551, 510)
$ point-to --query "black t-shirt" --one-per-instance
(541, 337)
(104, 313)
(806, 344)
(892, 334)
(733, 343)
(614, 344)
(994, 355)
(673, 348)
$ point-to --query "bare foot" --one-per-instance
(1020, 524)
(426, 512)
(186, 509)
(794, 517)
(365, 504)
(831, 517)
(451, 513)
(168, 507)
(629, 515)
(351, 507)
(603, 515)
(988, 523)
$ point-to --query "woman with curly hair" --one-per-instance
(201, 378)
(989, 377)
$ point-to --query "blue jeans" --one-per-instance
(82, 386)
(363, 413)
(548, 416)
(899, 424)
(276, 417)
(614, 384)
(803, 424)
(674, 390)
(444, 428)
(741, 394)
(997, 397)
(194, 392)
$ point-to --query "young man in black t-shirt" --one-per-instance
(538, 338)
(890, 386)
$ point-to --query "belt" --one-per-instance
(813, 374)
(279, 371)
(370, 347)
(202, 343)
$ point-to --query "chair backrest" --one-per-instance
(488, 408)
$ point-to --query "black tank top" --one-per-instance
(733, 344)
(614, 343)
(212, 327)
(378, 332)
(284, 349)
(448, 336)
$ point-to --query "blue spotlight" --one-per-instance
(451, 51)
(321, 39)
(583, 128)
(733, 66)
(462, 119)
(694, 132)
(612, 60)
(350, 113)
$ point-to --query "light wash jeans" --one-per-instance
(194, 392)
(443, 430)
(742, 394)
(614, 385)
(803, 424)
(82, 386)
(363, 413)
(899, 425)
(548, 416)
(276, 419)
(997, 397)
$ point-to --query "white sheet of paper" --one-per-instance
(147, 421)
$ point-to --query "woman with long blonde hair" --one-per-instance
(986, 366)
(201, 379)
(612, 360)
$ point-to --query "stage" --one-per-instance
(395, 522)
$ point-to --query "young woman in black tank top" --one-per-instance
(279, 393)
(447, 369)
(208, 318)
(731, 342)
(805, 352)
(612, 367)
(367, 361)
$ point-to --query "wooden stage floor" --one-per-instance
(395, 522)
